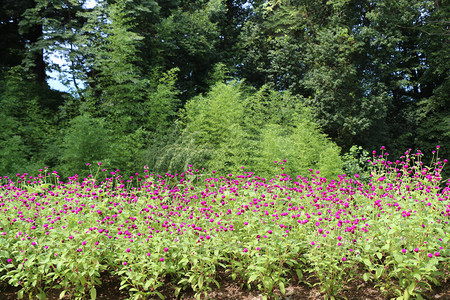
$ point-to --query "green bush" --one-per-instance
(232, 127)
(86, 140)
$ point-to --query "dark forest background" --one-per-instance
(221, 84)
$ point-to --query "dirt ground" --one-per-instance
(356, 290)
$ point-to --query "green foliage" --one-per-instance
(287, 132)
(86, 140)
(355, 162)
(214, 134)
(190, 43)
(362, 66)
(27, 120)
(230, 128)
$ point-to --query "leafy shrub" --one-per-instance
(86, 140)
(232, 127)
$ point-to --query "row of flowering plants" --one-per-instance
(185, 229)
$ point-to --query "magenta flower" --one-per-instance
(416, 250)
(161, 259)
(124, 263)
(437, 253)
(245, 250)
(128, 250)
(404, 250)
(344, 258)
(430, 255)
(166, 249)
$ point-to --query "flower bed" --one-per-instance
(185, 229)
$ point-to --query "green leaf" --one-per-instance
(147, 284)
(46, 260)
(299, 274)
(367, 262)
(42, 295)
(252, 278)
(93, 293)
(398, 258)
(282, 289)
(177, 291)
(366, 276)
(217, 283)
(82, 280)
(379, 255)
(200, 282)
(62, 294)
(406, 294)
(412, 287)
(378, 272)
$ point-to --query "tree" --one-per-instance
(28, 120)
(361, 66)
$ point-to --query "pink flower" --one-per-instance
(245, 250)
(404, 250)
(161, 259)
(344, 259)
(166, 249)
(437, 254)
